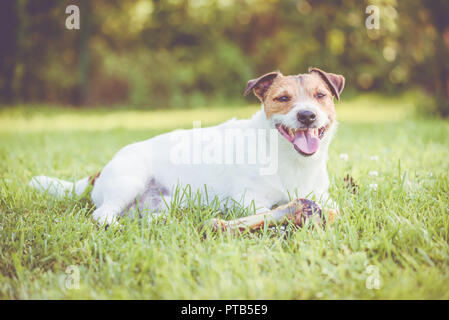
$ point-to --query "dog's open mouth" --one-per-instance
(306, 141)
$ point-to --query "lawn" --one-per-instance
(391, 241)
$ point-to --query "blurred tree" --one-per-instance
(157, 53)
(9, 25)
(83, 84)
(439, 11)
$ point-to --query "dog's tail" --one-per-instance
(61, 188)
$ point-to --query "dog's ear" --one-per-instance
(261, 84)
(335, 82)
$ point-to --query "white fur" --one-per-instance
(143, 173)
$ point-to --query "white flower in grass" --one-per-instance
(373, 173)
(373, 186)
(374, 158)
(344, 156)
(429, 173)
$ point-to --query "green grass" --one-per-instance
(401, 228)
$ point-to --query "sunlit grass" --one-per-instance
(401, 228)
(363, 109)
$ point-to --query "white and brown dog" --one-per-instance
(299, 109)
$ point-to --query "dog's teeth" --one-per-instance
(290, 132)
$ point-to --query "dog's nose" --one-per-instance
(306, 117)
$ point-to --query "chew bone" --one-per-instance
(296, 212)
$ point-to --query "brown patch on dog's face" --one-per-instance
(334, 82)
(283, 88)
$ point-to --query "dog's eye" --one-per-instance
(320, 95)
(282, 99)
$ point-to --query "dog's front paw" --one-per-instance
(105, 217)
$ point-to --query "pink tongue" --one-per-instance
(306, 142)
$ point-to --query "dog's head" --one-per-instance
(300, 106)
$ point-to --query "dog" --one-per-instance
(299, 109)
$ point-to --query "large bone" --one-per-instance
(295, 212)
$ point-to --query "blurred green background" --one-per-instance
(193, 53)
